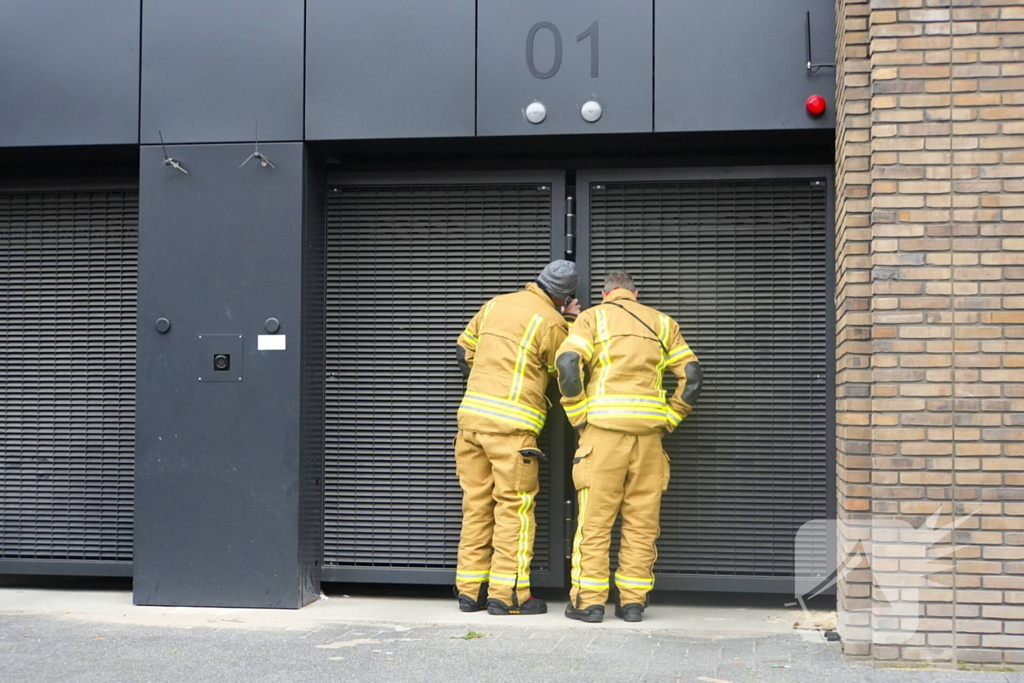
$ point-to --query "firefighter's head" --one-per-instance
(559, 280)
(619, 279)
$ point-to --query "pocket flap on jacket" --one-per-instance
(582, 452)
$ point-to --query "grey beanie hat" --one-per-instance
(559, 279)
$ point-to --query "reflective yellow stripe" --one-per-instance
(522, 556)
(516, 408)
(523, 581)
(663, 362)
(603, 337)
(497, 414)
(487, 309)
(577, 541)
(576, 409)
(628, 406)
(519, 374)
(674, 417)
(626, 414)
(583, 344)
(634, 582)
(679, 353)
(588, 582)
(628, 399)
(472, 577)
(469, 338)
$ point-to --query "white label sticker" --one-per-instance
(271, 342)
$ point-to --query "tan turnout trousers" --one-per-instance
(616, 473)
(499, 489)
(510, 346)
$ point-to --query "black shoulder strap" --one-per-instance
(639, 320)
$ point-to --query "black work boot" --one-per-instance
(591, 615)
(468, 604)
(634, 611)
(531, 606)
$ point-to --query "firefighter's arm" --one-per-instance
(571, 359)
(465, 347)
(553, 340)
(683, 363)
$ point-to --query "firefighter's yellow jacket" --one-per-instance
(510, 347)
(626, 364)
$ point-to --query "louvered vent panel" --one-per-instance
(408, 266)
(68, 283)
(742, 267)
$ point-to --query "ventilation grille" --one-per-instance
(742, 267)
(68, 283)
(407, 267)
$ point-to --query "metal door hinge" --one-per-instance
(570, 226)
(569, 530)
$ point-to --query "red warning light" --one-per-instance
(815, 105)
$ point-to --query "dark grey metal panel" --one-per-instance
(68, 279)
(741, 64)
(741, 259)
(427, 252)
(210, 70)
(218, 473)
(613, 69)
(69, 72)
(398, 69)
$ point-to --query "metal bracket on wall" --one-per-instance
(168, 161)
(811, 66)
(264, 161)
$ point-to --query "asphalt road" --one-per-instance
(68, 647)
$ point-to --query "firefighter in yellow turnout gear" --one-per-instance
(507, 353)
(620, 466)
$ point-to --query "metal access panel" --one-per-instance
(68, 283)
(397, 69)
(742, 64)
(409, 262)
(69, 72)
(211, 70)
(740, 258)
(220, 468)
(563, 55)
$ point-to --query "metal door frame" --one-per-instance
(584, 177)
(554, 576)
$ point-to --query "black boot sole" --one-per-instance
(585, 617)
(499, 611)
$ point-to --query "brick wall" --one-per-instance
(930, 298)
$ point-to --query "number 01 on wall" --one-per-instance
(527, 57)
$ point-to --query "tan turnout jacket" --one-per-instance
(510, 347)
(627, 364)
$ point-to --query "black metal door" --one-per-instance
(741, 259)
(409, 261)
(68, 285)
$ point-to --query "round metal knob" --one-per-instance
(272, 325)
(590, 111)
(536, 112)
(163, 325)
